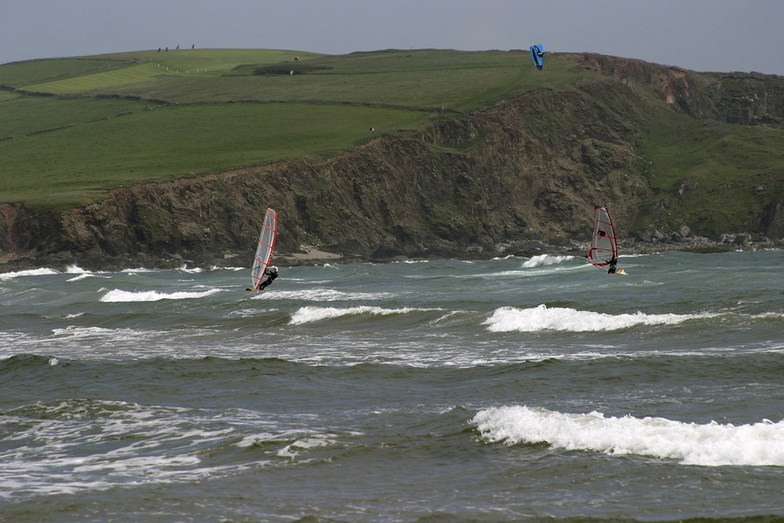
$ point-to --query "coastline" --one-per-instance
(309, 255)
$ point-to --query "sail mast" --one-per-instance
(265, 248)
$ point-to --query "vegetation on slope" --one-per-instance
(73, 128)
(116, 119)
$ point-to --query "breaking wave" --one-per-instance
(312, 314)
(712, 444)
(506, 319)
(30, 272)
(326, 295)
(541, 260)
(116, 296)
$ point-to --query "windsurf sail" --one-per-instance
(604, 246)
(537, 55)
(265, 248)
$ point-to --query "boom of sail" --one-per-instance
(265, 249)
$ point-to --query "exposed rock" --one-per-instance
(521, 177)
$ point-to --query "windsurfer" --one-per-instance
(271, 273)
(613, 262)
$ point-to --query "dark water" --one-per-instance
(502, 390)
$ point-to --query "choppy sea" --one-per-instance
(501, 390)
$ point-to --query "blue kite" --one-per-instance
(537, 55)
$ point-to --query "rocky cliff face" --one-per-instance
(738, 98)
(483, 183)
(504, 180)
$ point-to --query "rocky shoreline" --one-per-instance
(308, 255)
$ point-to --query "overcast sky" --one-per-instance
(704, 35)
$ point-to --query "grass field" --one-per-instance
(72, 128)
(102, 121)
(60, 169)
(711, 173)
(418, 79)
(51, 114)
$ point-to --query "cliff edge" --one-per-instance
(514, 178)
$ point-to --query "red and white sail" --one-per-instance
(265, 248)
(604, 245)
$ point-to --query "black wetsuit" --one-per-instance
(268, 281)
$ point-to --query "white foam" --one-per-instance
(52, 458)
(712, 444)
(117, 295)
(74, 332)
(82, 274)
(292, 450)
(195, 270)
(30, 272)
(312, 314)
(506, 319)
(541, 260)
(321, 295)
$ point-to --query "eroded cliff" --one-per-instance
(507, 179)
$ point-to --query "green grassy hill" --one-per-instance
(72, 128)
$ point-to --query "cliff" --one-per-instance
(519, 176)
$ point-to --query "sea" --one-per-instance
(507, 389)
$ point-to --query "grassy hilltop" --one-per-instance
(710, 147)
(120, 118)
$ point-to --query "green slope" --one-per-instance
(72, 128)
(73, 165)
(712, 175)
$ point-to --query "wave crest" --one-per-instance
(118, 296)
(506, 319)
(712, 444)
(29, 272)
(541, 260)
(311, 314)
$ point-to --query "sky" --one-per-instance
(703, 35)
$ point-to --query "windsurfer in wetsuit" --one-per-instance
(271, 273)
(613, 263)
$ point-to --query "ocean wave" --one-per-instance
(541, 260)
(506, 319)
(91, 445)
(194, 270)
(325, 295)
(82, 274)
(29, 272)
(312, 314)
(119, 296)
(712, 444)
(80, 333)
